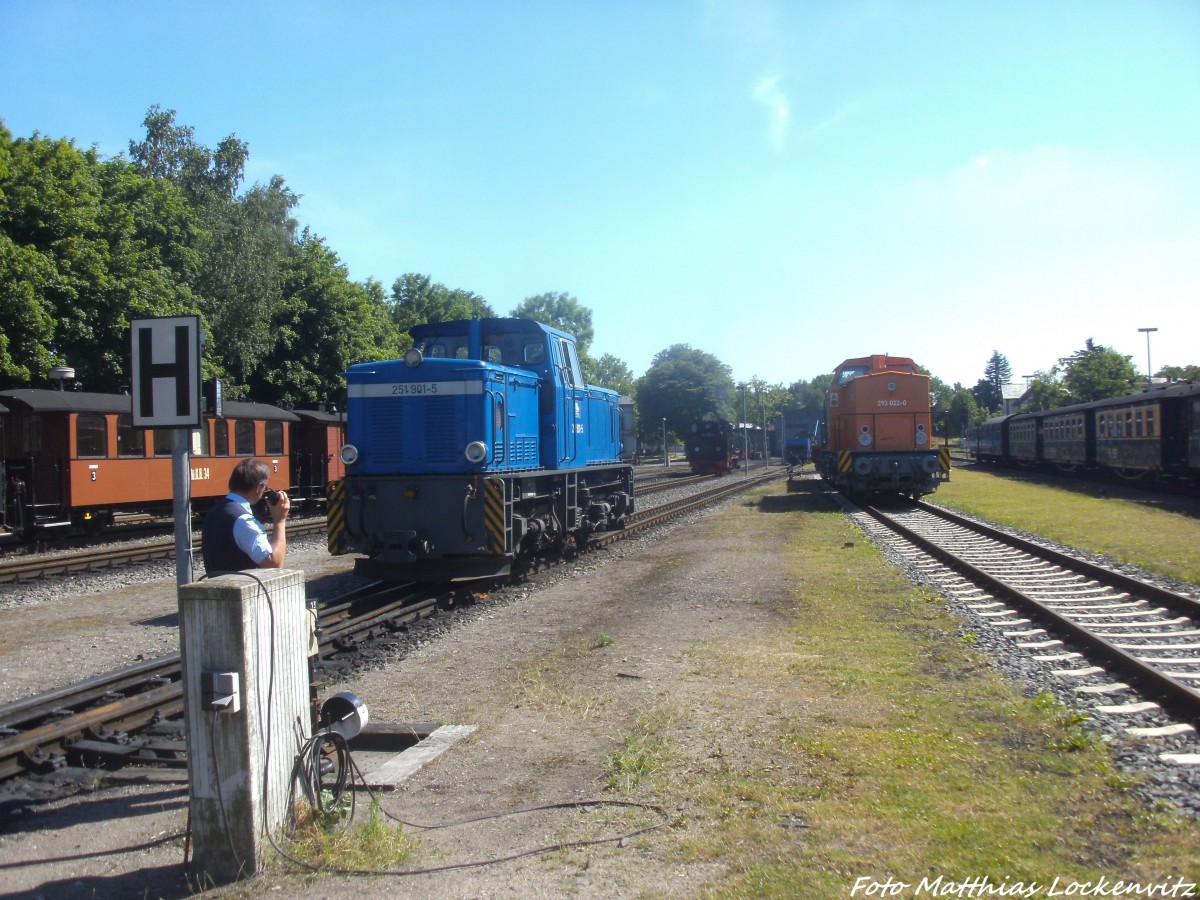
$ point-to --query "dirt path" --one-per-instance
(556, 679)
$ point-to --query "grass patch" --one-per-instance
(375, 844)
(546, 686)
(1135, 530)
(867, 739)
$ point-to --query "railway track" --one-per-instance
(1133, 646)
(132, 715)
(41, 565)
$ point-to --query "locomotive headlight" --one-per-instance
(476, 452)
(348, 454)
(413, 357)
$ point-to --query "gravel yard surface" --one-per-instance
(554, 675)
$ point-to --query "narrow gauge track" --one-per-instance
(90, 723)
(41, 565)
(1042, 599)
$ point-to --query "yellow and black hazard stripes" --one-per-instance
(944, 459)
(845, 461)
(336, 518)
(494, 517)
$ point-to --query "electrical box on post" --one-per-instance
(220, 692)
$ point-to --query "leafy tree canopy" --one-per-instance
(417, 300)
(326, 324)
(810, 394)
(1046, 391)
(561, 311)
(85, 245)
(681, 385)
(988, 390)
(609, 372)
(1097, 373)
(1180, 373)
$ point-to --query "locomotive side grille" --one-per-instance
(443, 435)
(386, 432)
(525, 452)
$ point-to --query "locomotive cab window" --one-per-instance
(571, 373)
(91, 436)
(851, 372)
(243, 437)
(130, 441)
(535, 353)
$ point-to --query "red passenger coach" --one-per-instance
(316, 439)
(74, 459)
(876, 437)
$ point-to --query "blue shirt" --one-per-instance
(248, 532)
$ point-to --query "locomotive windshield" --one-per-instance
(502, 349)
(444, 347)
(851, 372)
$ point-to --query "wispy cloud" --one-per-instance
(769, 93)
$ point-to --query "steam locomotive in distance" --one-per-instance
(876, 436)
(478, 452)
(709, 446)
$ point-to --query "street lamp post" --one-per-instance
(666, 455)
(1149, 370)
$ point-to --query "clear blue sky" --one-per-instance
(783, 184)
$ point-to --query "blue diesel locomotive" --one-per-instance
(477, 453)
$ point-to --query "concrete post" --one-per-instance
(240, 762)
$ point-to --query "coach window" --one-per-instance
(164, 439)
(200, 440)
(220, 437)
(130, 441)
(243, 437)
(274, 438)
(91, 436)
(1150, 432)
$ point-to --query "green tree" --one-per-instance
(417, 300)
(1180, 373)
(244, 244)
(170, 152)
(561, 311)
(988, 390)
(961, 410)
(1046, 391)
(1098, 372)
(85, 245)
(810, 394)
(325, 324)
(610, 372)
(681, 385)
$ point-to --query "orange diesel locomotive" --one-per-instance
(876, 437)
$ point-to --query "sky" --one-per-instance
(782, 183)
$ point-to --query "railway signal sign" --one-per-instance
(166, 394)
(166, 372)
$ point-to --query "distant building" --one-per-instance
(1013, 394)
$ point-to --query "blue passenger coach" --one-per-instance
(479, 451)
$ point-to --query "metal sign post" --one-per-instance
(166, 394)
